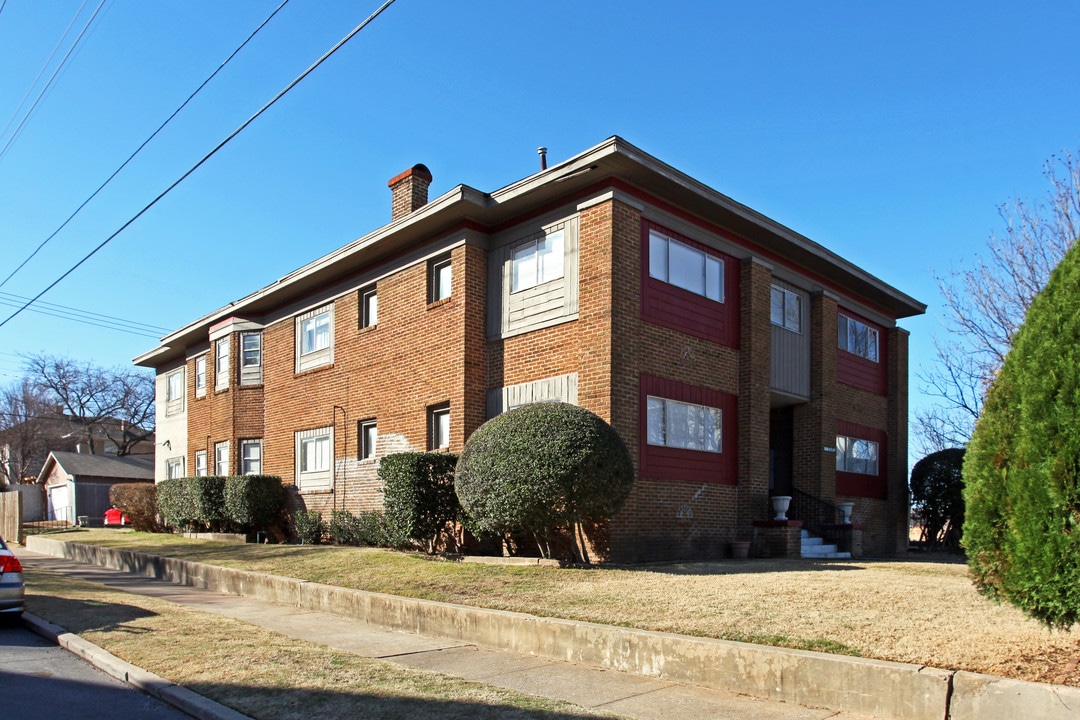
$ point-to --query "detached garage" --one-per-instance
(77, 484)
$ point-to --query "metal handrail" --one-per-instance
(814, 512)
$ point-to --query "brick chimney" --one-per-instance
(409, 191)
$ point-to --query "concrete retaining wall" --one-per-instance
(895, 691)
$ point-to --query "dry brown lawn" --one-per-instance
(921, 612)
(265, 674)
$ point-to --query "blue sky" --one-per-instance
(888, 132)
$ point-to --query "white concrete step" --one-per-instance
(815, 547)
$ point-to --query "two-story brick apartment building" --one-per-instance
(736, 358)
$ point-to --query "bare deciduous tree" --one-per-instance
(117, 404)
(986, 303)
(27, 431)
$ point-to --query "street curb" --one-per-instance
(179, 697)
(884, 689)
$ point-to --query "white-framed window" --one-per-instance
(857, 337)
(251, 359)
(221, 458)
(315, 459)
(315, 338)
(369, 307)
(174, 392)
(676, 424)
(685, 267)
(369, 437)
(439, 426)
(785, 309)
(174, 468)
(200, 376)
(855, 455)
(538, 260)
(221, 364)
(200, 463)
(251, 457)
(440, 279)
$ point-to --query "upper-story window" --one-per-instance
(785, 309)
(315, 338)
(857, 338)
(684, 425)
(200, 376)
(174, 392)
(221, 364)
(251, 358)
(440, 279)
(855, 455)
(369, 307)
(685, 267)
(538, 261)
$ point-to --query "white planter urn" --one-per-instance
(780, 505)
(845, 509)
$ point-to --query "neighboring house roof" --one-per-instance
(84, 466)
(70, 427)
(612, 165)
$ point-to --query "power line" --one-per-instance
(49, 82)
(144, 143)
(86, 317)
(87, 313)
(44, 66)
(209, 155)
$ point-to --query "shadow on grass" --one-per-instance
(747, 567)
(80, 616)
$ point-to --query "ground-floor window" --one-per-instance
(687, 432)
(315, 459)
(251, 457)
(860, 461)
(174, 467)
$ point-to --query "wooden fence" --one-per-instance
(11, 516)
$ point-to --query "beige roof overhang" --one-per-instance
(612, 159)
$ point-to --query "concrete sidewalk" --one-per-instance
(616, 692)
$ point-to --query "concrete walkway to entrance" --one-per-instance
(616, 692)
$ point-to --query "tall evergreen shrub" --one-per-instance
(418, 495)
(1022, 467)
(253, 502)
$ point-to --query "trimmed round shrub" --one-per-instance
(937, 495)
(540, 467)
(1022, 468)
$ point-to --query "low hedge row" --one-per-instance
(244, 503)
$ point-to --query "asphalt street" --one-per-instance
(41, 681)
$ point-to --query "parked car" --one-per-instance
(113, 516)
(12, 587)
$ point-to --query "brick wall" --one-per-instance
(422, 354)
